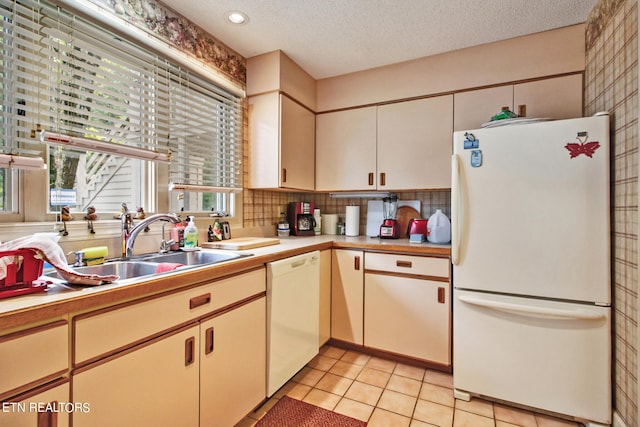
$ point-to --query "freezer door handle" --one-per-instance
(527, 310)
(456, 209)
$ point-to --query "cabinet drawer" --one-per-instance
(33, 356)
(108, 331)
(408, 264)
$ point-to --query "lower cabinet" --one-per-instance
(232, 364)
(407, 316)
(47, 406)
(207, 369)
(154, 385)
(347, 295)
(407, 306)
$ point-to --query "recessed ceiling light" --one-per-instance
(237, 17)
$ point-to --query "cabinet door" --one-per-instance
(346, 150)
(557, 98)
(264, 140)
(475, 107)
(297, 145)
(29, 411)
(408, 316)
(325, 297)
(414, 144)
(347, 287)
(233, 364)
(155, 384)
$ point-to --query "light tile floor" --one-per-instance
(389, 394)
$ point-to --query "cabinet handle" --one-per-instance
(208, 341)
(189, 351)
(441, 295)
(406, 264)
(356, 263)
(284, 174)
(370, 178)
(383, 178)
(506, 108)
(199, 301)
(48, 418)
(522, 110)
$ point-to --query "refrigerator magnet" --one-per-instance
(476, 158)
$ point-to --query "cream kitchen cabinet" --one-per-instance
(232, 364)
(158, 358)
(399, 146)
(346, 150)
(347, 287)
(556, 98)
(155, 384)
(325, 297)
(281, 143)
(34, 376)
(33, 357)
(414, 144)
(46, 406)
(407, 306)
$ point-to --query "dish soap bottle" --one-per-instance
(191, 235)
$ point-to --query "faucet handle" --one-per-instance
(165, 245)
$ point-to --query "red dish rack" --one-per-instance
(22, 279)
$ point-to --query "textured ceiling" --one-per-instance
(334, 37)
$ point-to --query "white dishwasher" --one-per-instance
(293, 312)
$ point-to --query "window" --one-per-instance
(110, 110)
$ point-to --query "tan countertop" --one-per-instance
(58, 302)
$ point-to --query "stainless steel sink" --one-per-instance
(195, 258)
(124, 269)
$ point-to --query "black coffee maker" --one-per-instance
(300, 217)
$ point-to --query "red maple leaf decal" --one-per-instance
(587, 148)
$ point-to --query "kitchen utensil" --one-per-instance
(405, 213)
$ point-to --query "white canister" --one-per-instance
(352, 221)
(329, 223)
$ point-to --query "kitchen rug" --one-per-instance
(290, 412)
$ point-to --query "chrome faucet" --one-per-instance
(130, 233)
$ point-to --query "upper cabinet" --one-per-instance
(282, 102)
(414, 144)
(281, 143)
(346, 150)
(399, 146)
(555, 98)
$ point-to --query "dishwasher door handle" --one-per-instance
(299, 263)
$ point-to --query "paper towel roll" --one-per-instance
(329, 223)
(352, 221)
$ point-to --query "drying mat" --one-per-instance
(290, 412)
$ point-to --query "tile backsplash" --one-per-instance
(262, 208)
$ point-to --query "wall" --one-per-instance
(611, 83)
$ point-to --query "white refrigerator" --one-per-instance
(531, 266)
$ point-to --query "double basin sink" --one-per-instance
(146, 265)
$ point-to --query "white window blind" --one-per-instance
(71, 77)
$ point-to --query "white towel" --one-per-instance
(49, 250)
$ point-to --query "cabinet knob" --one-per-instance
(284, 174)
(370, 178)
(406, 264)
(441, 295)
(356, 263)
(522, 110)
(383, 178)
(199, 301)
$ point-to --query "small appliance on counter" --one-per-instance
(389, 228)
(300, 217)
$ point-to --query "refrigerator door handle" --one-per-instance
(456, 209)
(531, 311)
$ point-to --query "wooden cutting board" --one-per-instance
(242, 243)
(404, 214)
